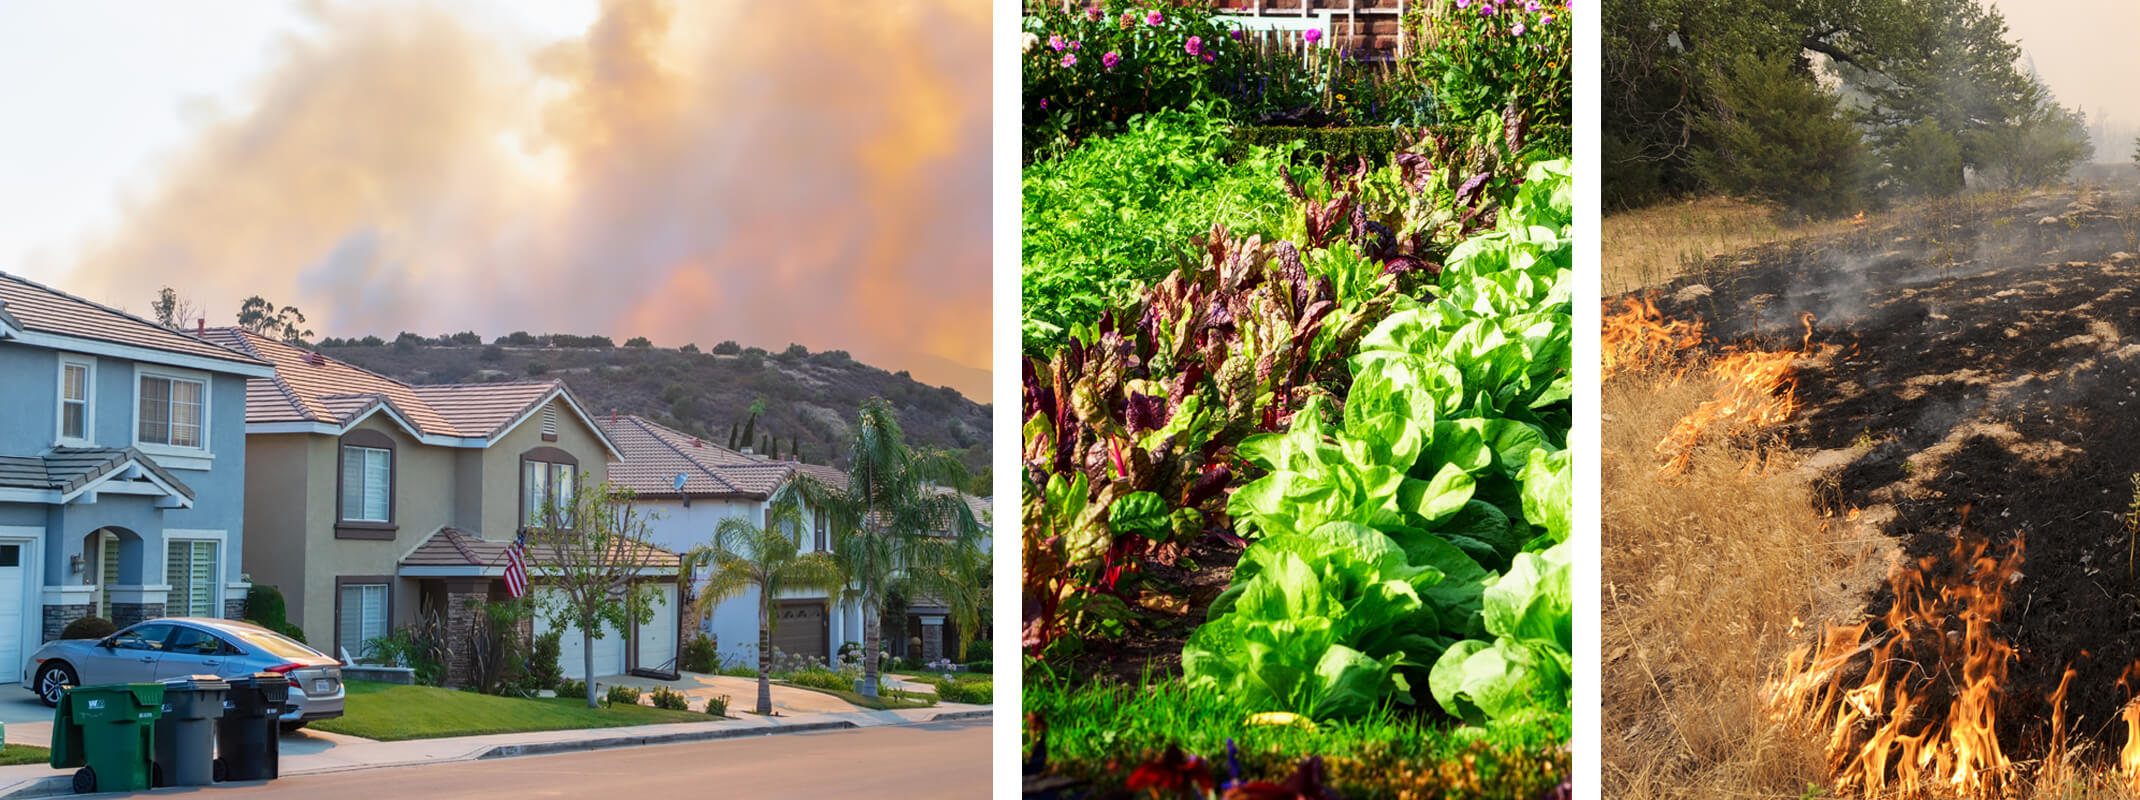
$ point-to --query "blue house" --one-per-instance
(122, 469)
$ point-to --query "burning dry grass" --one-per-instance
(1706, 570)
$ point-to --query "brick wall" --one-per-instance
(124, 614)
(57, 617)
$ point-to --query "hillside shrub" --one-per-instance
(88, 628)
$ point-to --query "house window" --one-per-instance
(190, 566)
(172, 410)
(547, 479)
(107, 572)
(76, 381)
(361, 616)
(824, 533)
(366, 477)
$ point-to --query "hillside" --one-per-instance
(810, 398)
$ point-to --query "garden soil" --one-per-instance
(1981, 377)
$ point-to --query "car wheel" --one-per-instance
(53, 680)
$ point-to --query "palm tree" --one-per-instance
(895, 529)
(768, 558)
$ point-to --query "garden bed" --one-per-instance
(390, 712)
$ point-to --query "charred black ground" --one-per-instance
(1987, 355)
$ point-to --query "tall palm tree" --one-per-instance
(895, 528)
(769, 558)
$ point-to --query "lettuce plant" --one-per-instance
(1530, 613)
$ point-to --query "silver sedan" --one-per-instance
(174, 647)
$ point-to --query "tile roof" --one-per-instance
(654, 455)
(35, 307)
(309, 387)
(453, 547)
(66, 469)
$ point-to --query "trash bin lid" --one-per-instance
(197, 683)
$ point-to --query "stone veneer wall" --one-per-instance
(57, 617)
(463, 604)
(124, 614)
(234, 607)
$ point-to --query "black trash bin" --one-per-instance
(249, 741)
(185, 734)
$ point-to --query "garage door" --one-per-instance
(657, 639)
(608, 651)
(11, 655)
(802, 628)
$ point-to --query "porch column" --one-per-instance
(932, 637)
(463, 598)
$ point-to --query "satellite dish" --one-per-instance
(679, 484)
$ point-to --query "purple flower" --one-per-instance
(1545, 19)
(1207, 57)
(1093, 14)
(1313, 35)
(1516, 31)
(1195, 46)
(1111, 59)
(1055, 43)
(1043, 104)
(1463, 3)
(1069, 59)
(1074, 44)
(1235, 33)
(1154, 18)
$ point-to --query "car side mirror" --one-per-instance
(107, 643)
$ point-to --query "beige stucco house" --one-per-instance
(369, 500)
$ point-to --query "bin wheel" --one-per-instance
(85, 781)
(156, 780)
(221, 772)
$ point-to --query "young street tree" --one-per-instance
(173, 311)
(593, 552)
(287, 323)
(895, 529)
(769, 559)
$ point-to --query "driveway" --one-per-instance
(29, 722)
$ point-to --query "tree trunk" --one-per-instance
(765, 654)
(587, 661)
(870, 634)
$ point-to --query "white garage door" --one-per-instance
(657, 639)
(608, 650)
(11, 567)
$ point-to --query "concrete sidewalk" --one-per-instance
(346, 753)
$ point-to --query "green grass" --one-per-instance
(14, 754)
(393, 712)
(1091, 726)
(924, 676)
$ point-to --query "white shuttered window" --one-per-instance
(367, 477)
(363, 616)
(191, 568)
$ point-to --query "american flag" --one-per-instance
(516, 566)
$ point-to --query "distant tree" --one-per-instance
(688, 348)
(795, 448)
(733, 428)
(750, 425)
(536, 367)
(638, 341)
(592, 549)
(795, 351)
(2040, 146)
(518, 339)
(493, 353)
(2136, 151)
(750, 362)
(673, 392)
(836, 358)
(772, 447)
(258, 315)
(1926, 161)
(467, 338)
(1778, 137)
(172, 311)
(684, 407)
(330, 342)
(727, 348)
(373, 341)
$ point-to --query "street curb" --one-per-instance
(958, 715)
(547, 748)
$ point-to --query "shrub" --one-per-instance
(717, 706)
(983, 666)
(492, 353)
(499, 656)
(265, 606)
(739, 670)
(571, 688)
(543, 669)
(821, 679)
(665, 697)
(420, 646)
(638, 341)
(536, 367)
(689, 347)
(1073, 90)
(621, 694)
(1482, 64)
(89, 628)
(727, 348)
(978, 651)
(701, 655)
(971, 692)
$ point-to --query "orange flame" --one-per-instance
(1887, 732)
(1755, 390)
(1640, 338)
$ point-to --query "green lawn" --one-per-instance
(1100, 732)
(886, 702)
(393, 712)
(24, 754)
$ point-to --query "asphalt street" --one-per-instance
(932, 760)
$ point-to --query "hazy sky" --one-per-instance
(726, 169)
(2086, 51)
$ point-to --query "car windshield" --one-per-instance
(276, 644)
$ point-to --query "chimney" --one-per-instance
(200, 327)
(612, 416)
(694, 443)
(316, 359)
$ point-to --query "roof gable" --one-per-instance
(38, 314)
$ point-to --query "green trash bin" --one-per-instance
(109, 731)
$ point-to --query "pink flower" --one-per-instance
(1207, 57)
(1516, 31)
(1195, 46)
(1531, 6)
(1074, 44)
(1463, 3)
(1093, 14)
(1111, 59)
(1069, 59)
(1055, 43)
(1312, 35)
(1154, 18)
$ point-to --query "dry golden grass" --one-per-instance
(1649, 246)
(1704, 572)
